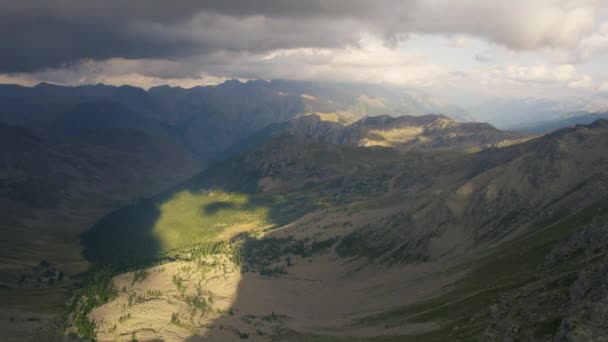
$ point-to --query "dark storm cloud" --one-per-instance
(40, 34)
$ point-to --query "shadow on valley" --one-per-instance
(123, 238)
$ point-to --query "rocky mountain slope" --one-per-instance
(302, 239)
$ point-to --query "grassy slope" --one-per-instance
(502, 270)
(508, 267)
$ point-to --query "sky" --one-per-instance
(463, 51)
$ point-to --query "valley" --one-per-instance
(369, 254)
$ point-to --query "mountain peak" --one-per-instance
(46, 85)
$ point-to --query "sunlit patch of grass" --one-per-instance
(188, 218)
(142, 233)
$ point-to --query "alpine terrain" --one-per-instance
(304, 171)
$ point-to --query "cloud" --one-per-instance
(38, 34)
(460, 42)
(483, 57)
(471, 48)
(369, 61)
(589, 46)
(594, 43)
(583, 82)
(543, 80)
(542, 73)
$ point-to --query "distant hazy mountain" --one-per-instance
(517, 113)
(569, 120)
(506, 113)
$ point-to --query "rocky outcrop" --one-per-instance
(586, 242)
(565, 304)
(587, 313)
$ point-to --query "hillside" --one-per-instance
(298, 239)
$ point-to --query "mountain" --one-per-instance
(212, 118)
(44, 179)
(301, 238)
(359, 100)
(405, 132)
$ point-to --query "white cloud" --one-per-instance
(483, 57)
(147, 82)
(460, 41)
(369, 61)
(540, 81)
(565, 74)
(21, 79)
(583, 82)
(594, 43)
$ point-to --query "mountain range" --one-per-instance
(294, 211)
